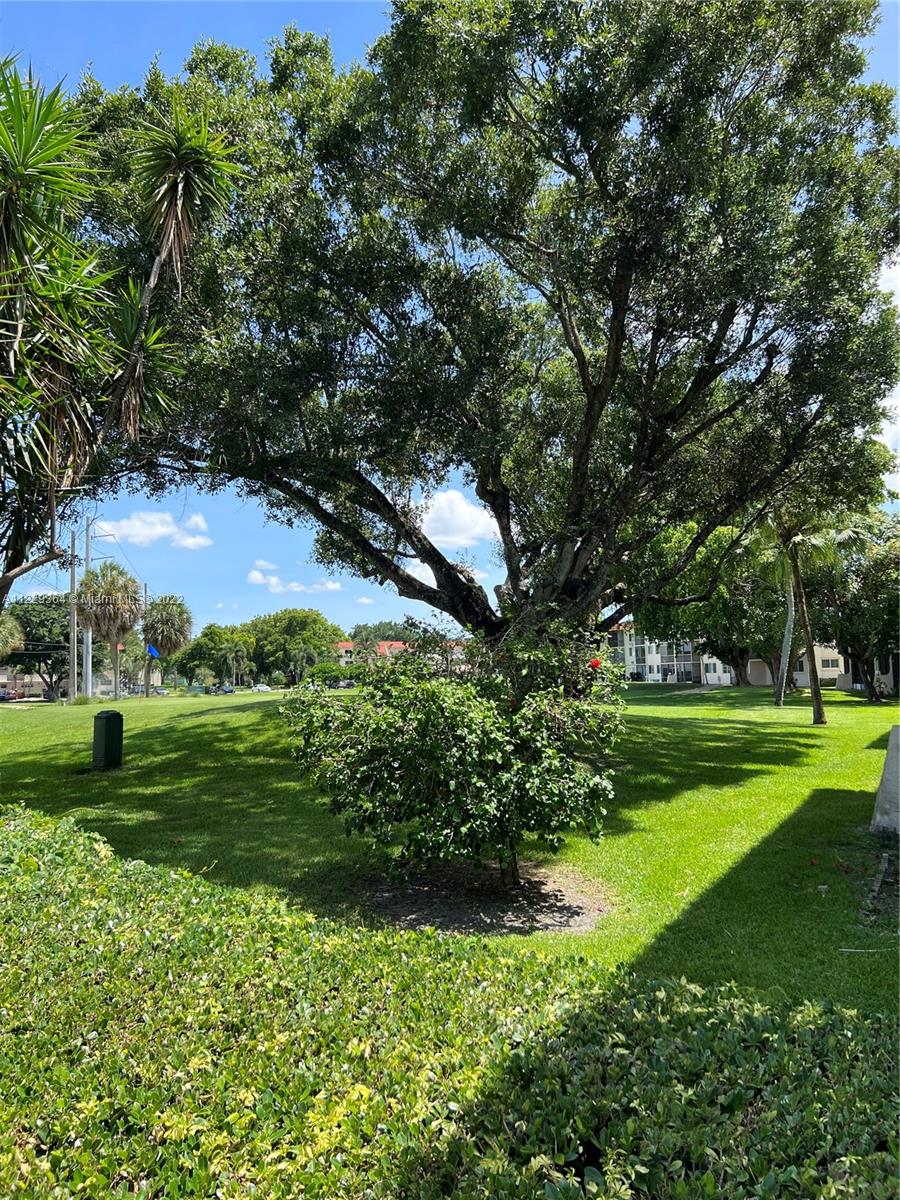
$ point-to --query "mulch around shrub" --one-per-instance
(465, 898)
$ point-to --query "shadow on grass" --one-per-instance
(660, 757)
(790, 915)
(213, 790)
(881, 742)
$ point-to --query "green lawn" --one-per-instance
(736, 847)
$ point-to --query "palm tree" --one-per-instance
(796, 539)
(225, 662)
(241, 659)
(109, 603)
(365, 644)
(11, 635)
(166, 626)
(300, 659)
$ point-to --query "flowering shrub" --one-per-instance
(464, 765)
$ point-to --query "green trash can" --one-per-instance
(108, 737)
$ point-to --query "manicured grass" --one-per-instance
(736, 847)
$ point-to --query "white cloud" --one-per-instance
(220, 605)
(265, 565)
(145, 528)
(276, 584)
(364, 600)
(452, 521)
(418, 570)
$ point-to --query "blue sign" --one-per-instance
(152, 651)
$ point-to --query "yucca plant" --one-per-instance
(41, 140)
(109, 603)
(80, 356)
(184, 170)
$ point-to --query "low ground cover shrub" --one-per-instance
(161, 1037)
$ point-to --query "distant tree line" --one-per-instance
(278, 647)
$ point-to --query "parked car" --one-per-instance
(222, 689)
(260, 687)
(160, 691)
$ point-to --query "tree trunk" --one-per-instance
(114, 652)
(741, 667)
(867, 670)
(815, 688)
(510, 869)
(785, 660)
(147, 666)
(773, 664)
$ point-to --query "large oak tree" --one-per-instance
(612, 264)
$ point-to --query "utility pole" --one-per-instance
(148, 664)
(87, 636)
(73, 622)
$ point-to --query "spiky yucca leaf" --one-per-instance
(184, 169)
(40, 140)
(142, 398)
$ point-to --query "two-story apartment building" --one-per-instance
(347, 654)
(681, 662)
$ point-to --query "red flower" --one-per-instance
(594, 664)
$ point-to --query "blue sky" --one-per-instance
(217, 551)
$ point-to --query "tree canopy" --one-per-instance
(273, 643)
(853, 600)
(381, 631)
(43, 647)
(613, 265)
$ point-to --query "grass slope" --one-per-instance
(736, 847)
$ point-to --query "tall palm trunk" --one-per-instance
(114, 652)
(785, 661)
(815, 689)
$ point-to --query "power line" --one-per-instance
(137, 575)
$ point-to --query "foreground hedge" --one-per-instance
(162, 1037)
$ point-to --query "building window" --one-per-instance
(801, 664)
(829, 664)
(710, 668)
